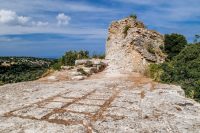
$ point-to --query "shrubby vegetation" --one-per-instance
(182, 68)
(18, 69)
(174, 43)
(150, 49)
(126, 28)
(197, 39)
(134, 16)
(98, 56)
(71, 56)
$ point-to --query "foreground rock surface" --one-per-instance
(101, 104)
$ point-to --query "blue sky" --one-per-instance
(48, 28)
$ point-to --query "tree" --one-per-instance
(184, 69)
(174, 43)
(71, 56)
(197, 39)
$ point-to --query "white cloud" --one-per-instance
(53, 29)
(63, 19)
(40, 23)
(23, 20)
(10, 17)
(7, 16)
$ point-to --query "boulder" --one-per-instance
(75, 73)
(91, 65)
(82, 62)
(79, 77)
(67, 67)
(52, 78)
(90, 70)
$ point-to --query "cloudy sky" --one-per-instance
(48, 28)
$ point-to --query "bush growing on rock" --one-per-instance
(154, 71)
(184, 70)
(57, 65)
(82, 71)
(150, 49)
(126, 28)
(134, 16)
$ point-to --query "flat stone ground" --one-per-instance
(100, 104)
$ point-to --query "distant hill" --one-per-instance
(18, 69)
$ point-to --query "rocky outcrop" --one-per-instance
(97, 65)
(83, 69)
(131, 46)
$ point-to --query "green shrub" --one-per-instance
(82, 71)
(162, 47)
(151, 49)
(134, 16)
(1, 83)
(184, 70)
(71, 56)
(154, 71)
(187, 70)
(98, 56)
(174, 43)
(197, 39)
(140, 25)
(88, 64)
(57, 66)
(126, 28)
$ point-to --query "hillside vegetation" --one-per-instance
(18, 69)
(182, 68)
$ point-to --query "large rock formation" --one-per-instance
(131, 47)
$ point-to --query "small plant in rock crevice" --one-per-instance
(151, 49)
(82, 71)
(126, 28)
(108, 39)
(134, 16)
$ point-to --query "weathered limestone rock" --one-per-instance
(131, 47)
(79, 77)
(97, 105)
(91, 65)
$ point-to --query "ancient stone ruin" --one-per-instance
(131, 46)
